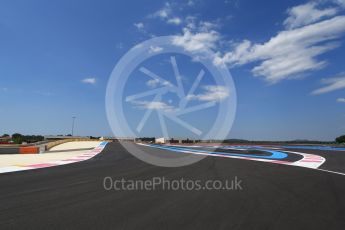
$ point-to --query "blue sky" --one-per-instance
(286, 59)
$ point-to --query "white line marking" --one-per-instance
(324, 170)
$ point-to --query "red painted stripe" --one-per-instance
(281, 162)
(316, 161)
(43, 165)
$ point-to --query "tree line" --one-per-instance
(18, 138)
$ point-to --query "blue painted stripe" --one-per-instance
(104, 143)
(275, 155)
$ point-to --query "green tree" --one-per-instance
(340, 139)
(17, 138)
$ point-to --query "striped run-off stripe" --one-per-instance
(308, 161)
(82, 157)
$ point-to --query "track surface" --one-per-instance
(273, 197)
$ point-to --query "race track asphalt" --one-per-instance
(273, 196)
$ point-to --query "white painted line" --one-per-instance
(310, 161)
(324, 170)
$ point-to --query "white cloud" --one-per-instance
(190, 22)
(193, 24)
(197, 42)
(206, 26)
(341, 100)
(290, 52)
(155, 49)
(152, 83)
(190, 3)
(156, 105)
(198, 37)
(89, 81)
(174, 20)
(313, 29)
(341, 3)
(164, 12)
(307, 13)
(211, 93)
(332, 84)
(139, 25)
(156, 82)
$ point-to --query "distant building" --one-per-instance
(160, 140)
(5, 140)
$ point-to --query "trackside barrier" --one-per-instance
(9, 150)
(20, 150)
(29, 150)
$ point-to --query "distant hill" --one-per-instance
(297, 141)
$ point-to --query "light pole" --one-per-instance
(73, 119)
